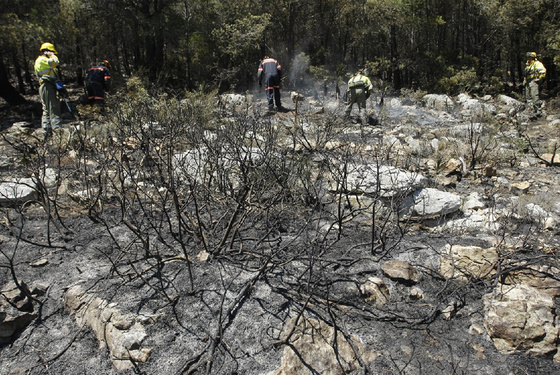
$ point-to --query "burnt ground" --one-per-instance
(306, 268)
(411, 336)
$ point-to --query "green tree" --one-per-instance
(238, 44)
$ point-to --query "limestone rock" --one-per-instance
(122, 334)
(482, 220)
(16, 311)
(521, 187)
(554, 159)
(473, 106)
(372, 179)
(447, 182)
(232, 101)
(375, 290)
(401, 271)
(296, 96)
(521, 317)
(509, 101)
(430, 202)
(438, 102)
(203, 256)
(539, 277)
(465, 262)
(312, 342)
(17, 191)
(453, 167)
(473, 202)
(416, 293)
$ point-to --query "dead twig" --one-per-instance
(205, 357)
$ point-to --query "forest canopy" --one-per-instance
(446, 46)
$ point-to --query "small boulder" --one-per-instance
(521, 317)
(17, 191)
(312, 345)
(375, 291)
(400, 271)
(466, 262)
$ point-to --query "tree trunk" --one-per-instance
(7, 91)
(17, 67)
(395, 69)
(26, 72)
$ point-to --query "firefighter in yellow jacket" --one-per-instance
(46, 69)
(534, 75)
(359, 89)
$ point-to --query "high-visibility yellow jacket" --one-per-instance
(45, 65)
(534, 69)
(360, 80)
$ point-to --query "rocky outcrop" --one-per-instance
(438, 101)
(17, 191)
(227, 167)
(430, 202)
(16, 309)
(467, 262)
(544, 278)
(473, 106)
(122, 334)
(385, 181)
(400, 271)
(522, 318)
(316, 345)
(375, 291)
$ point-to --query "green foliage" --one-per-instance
(136, 89)
(434, 45)
(341, 70)
(496, 84)
(553, 43)
(319, 73)
(242, 36)
(415, 96)
(237, 45)
(379, 67)
(463, 80)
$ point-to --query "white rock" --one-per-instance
(363, 178)
(521, 317)
(473, 202)
(430, 202)
(17, 191)
(509, 101)
(439, 102)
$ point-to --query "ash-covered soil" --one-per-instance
(231, 312)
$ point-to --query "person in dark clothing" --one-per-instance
(98, 80)
(271, 71)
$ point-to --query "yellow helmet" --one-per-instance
(532, 55)
(48, 47)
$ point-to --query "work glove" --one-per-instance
(61, 89)
(63, 93)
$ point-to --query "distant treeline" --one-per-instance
(446, 46)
